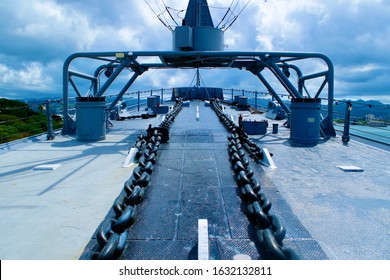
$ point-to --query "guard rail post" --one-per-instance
(348, 108)
(50, 133)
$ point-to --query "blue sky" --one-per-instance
(37, 36)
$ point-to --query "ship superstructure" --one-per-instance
(186, 179)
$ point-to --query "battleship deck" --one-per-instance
(328, 213)
(194, 180)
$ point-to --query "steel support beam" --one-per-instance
(82, 75)
(66, 129)
(299, 74)
(321, 87)
(112, 78)
(123, 91)
(307, 92)
(273, 92)
(196, 59)
(314, 76)
(291, 93)
(74, 86)
(284, 80)
(97, 74)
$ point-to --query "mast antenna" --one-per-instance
(199, 11)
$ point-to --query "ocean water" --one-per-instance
(380, 134)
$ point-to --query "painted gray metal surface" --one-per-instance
(47, 215)
(305, 121)
(52, 214)
(198, 14)
(197, 32)
(255, 62)
(193, 180)
(346, 213)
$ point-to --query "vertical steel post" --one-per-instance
(50, 133)
(330, 77)
(139, 95)
(256, 99)
(97, 74)
(348, 108)
(284, 80)
(301, 84)
(95, 87)
(162, 96)
(65, 96)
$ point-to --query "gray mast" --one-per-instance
(198, 14)
(197, 32)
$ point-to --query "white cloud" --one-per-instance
(54, 24)
(166, 78)
(30, 77)
(38, 35)
(64, 28)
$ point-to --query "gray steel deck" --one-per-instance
(53, 214)
(348, 213)
(193, 180)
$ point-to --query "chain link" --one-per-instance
(270, 230)
(112, 233)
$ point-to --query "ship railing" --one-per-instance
(358, 126)
(363, 120)
(369, 126)
(12, 129)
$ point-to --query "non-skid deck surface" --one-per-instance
(193, 180)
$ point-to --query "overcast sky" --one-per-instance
(38, 35)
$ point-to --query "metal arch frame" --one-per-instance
(254, 62)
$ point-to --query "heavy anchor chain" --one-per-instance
(112, 233)
(252, 149)
(270, 230)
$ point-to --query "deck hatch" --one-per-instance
(350, 168)
(46, 167)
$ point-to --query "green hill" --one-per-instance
(18, 121)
